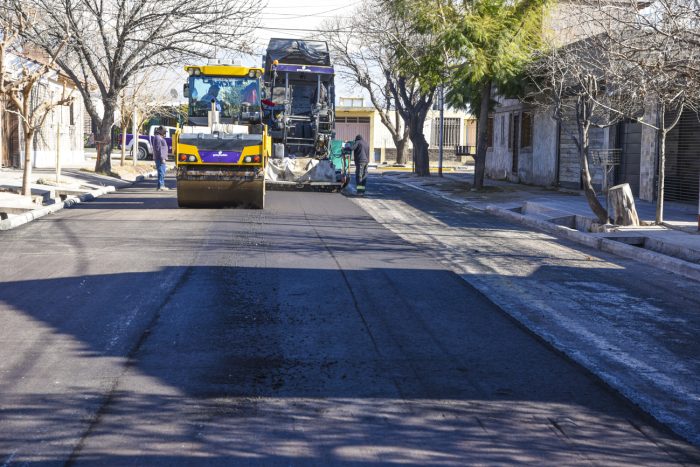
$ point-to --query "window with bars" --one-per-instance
(526, 130)
(683, 160)
(450, 132)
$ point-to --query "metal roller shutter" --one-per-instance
(683, 160)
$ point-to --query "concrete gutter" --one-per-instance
(652, 258)
(20, 219)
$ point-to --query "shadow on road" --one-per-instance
(272, 366)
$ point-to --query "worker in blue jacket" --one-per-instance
(160, 156)
(360, 149)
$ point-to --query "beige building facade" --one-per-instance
(354, 117)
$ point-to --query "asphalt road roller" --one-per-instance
(223, 147)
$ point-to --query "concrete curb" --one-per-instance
(652, 258)
(658, 260)
(21, 219)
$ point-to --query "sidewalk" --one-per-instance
(77, 184)
(674, 246)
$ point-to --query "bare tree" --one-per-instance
(658, 49)
(419, 70)
(414, 74)
(113, 40)
(11, 28)
(145, 99)
(360, 52)
(33, 112)
(23, 84)
(578, 82)
(8, 37)
(627, 62)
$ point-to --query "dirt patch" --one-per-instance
(127, 172)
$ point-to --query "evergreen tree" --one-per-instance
(486, 45)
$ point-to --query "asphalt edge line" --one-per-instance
(24, 218)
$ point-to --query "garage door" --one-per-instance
(346, 128)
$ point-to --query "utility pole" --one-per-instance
(441, 103)
(58, 144)
(134, 138)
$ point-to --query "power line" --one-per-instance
(267, 28)
(297, 7)
(295, 16)
(316, 14)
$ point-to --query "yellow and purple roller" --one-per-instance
(222, 149)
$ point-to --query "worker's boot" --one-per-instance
(360, 190)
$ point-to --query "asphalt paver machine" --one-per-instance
(299, 111)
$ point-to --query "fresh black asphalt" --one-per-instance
(137, 333)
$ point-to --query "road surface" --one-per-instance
(137, 333)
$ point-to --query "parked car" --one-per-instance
(145, 147)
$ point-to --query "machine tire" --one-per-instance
(142, 152)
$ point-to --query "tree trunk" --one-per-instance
(421, 157)
(400, 151)
(401, 147)
(2, 130)
(103, 163)
(600, 212)
(123, 130)
(400, 139)
(662, 165)
(27, 174)
(481, 138)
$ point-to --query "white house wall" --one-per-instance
(538, 164)
(71, 137)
